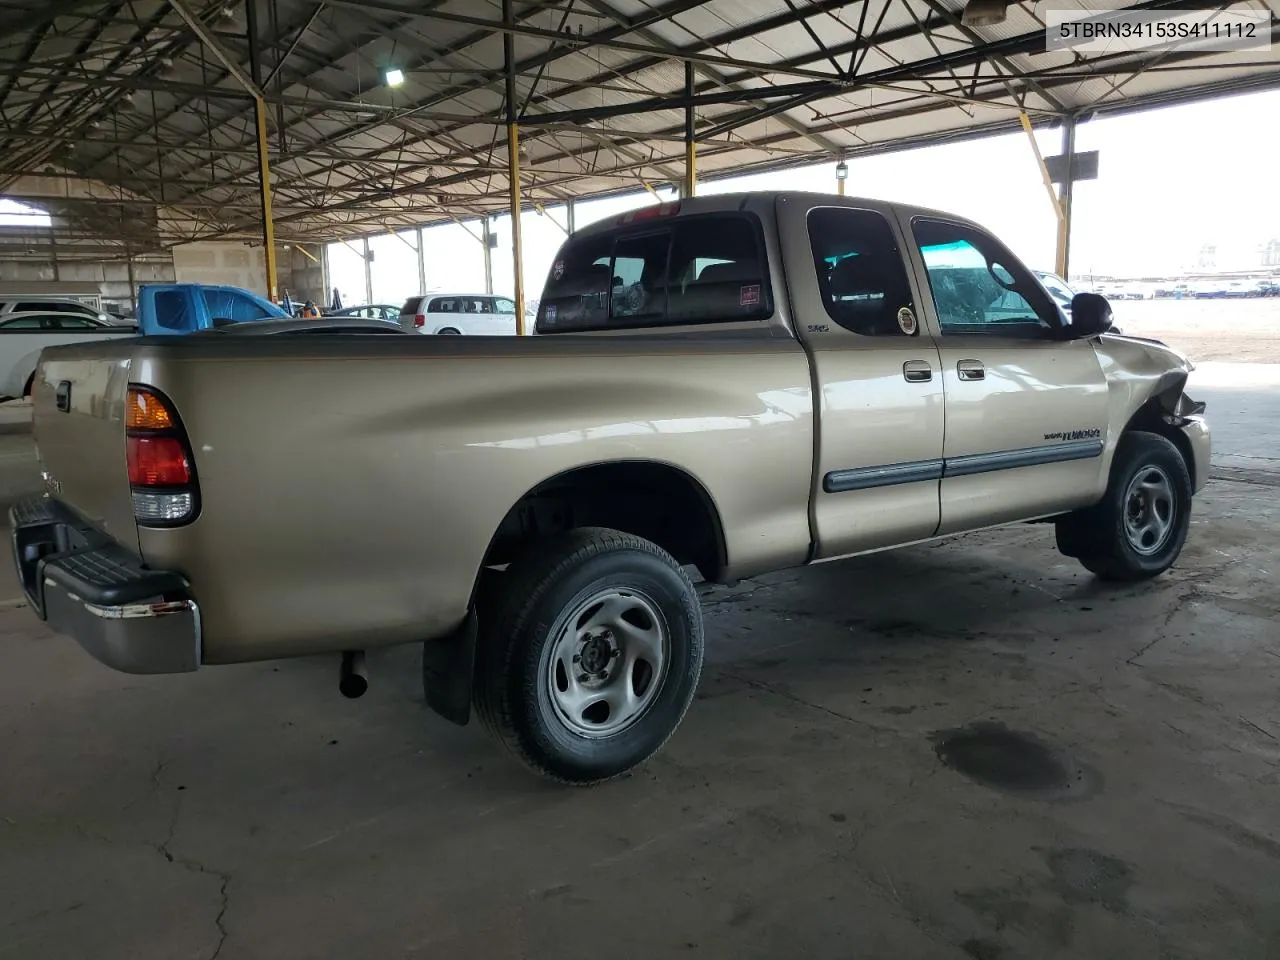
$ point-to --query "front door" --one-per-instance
(876, 369)
(1026, 410)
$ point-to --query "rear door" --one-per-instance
(876, 367)
(78, 404)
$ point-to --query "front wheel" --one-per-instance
(1139, 527)
(589, 654)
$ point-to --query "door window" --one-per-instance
(978, 286)
(24, 323)
(503, 305)
(229, 305)
(861, 275)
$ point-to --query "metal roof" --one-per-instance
(127, 125)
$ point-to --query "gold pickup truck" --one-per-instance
(734, 384)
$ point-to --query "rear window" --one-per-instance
(50, 305)
(411, 305)
(700, 269)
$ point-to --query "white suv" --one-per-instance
(477, 314)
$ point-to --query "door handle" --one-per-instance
(971, 370)
(917, 371)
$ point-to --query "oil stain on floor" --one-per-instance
(1014, 762)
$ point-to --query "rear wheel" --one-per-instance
(1139, 527)
(588, 654)
(449, 331)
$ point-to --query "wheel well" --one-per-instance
(26, 387)
(658, 502)
(1152, 418)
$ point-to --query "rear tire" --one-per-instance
(588, 655)
(449, 331)
(1138, 529)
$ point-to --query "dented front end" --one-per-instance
(1147, 383)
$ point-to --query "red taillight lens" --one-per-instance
(157, 462)
(161, 474)
(420, 320)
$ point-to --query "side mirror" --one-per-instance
(1090, 316)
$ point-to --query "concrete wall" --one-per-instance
(216, 261)
(242, 265)
(109, 277)
(301, 276)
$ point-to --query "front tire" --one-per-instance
(1138, 529)
(589, 655)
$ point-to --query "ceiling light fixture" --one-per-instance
(394, 77)
(984, 13)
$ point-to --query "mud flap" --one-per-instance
(447, 668)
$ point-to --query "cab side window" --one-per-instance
(978, 286)
(861, 276)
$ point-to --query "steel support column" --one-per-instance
(486, 238)
(264, 163)
(569, 221)
(133, 285)
(513, 164)
(422, 265)
(1066, 195)
(368, 273)
(690, 145)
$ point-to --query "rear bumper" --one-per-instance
(87, 586)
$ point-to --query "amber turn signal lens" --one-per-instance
(147, 412)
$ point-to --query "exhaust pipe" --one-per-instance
(353, 678)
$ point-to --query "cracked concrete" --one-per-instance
(801, 811)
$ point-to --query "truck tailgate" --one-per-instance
(78, 408)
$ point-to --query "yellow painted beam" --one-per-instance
(1060, 257)
(268, 221)
(517, 248)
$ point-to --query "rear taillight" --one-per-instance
(161, 472)
(420, 320)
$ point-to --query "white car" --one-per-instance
(476, 314)
(38, 303)
(24, 335)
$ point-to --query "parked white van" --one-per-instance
(475, 314)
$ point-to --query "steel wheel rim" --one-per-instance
(607, 663)
(1150, 510)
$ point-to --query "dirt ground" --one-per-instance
(1236, 330)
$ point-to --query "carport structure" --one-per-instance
(262, 118)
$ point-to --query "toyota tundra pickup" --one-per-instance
(733, 384)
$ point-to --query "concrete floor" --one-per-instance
(801, 811)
